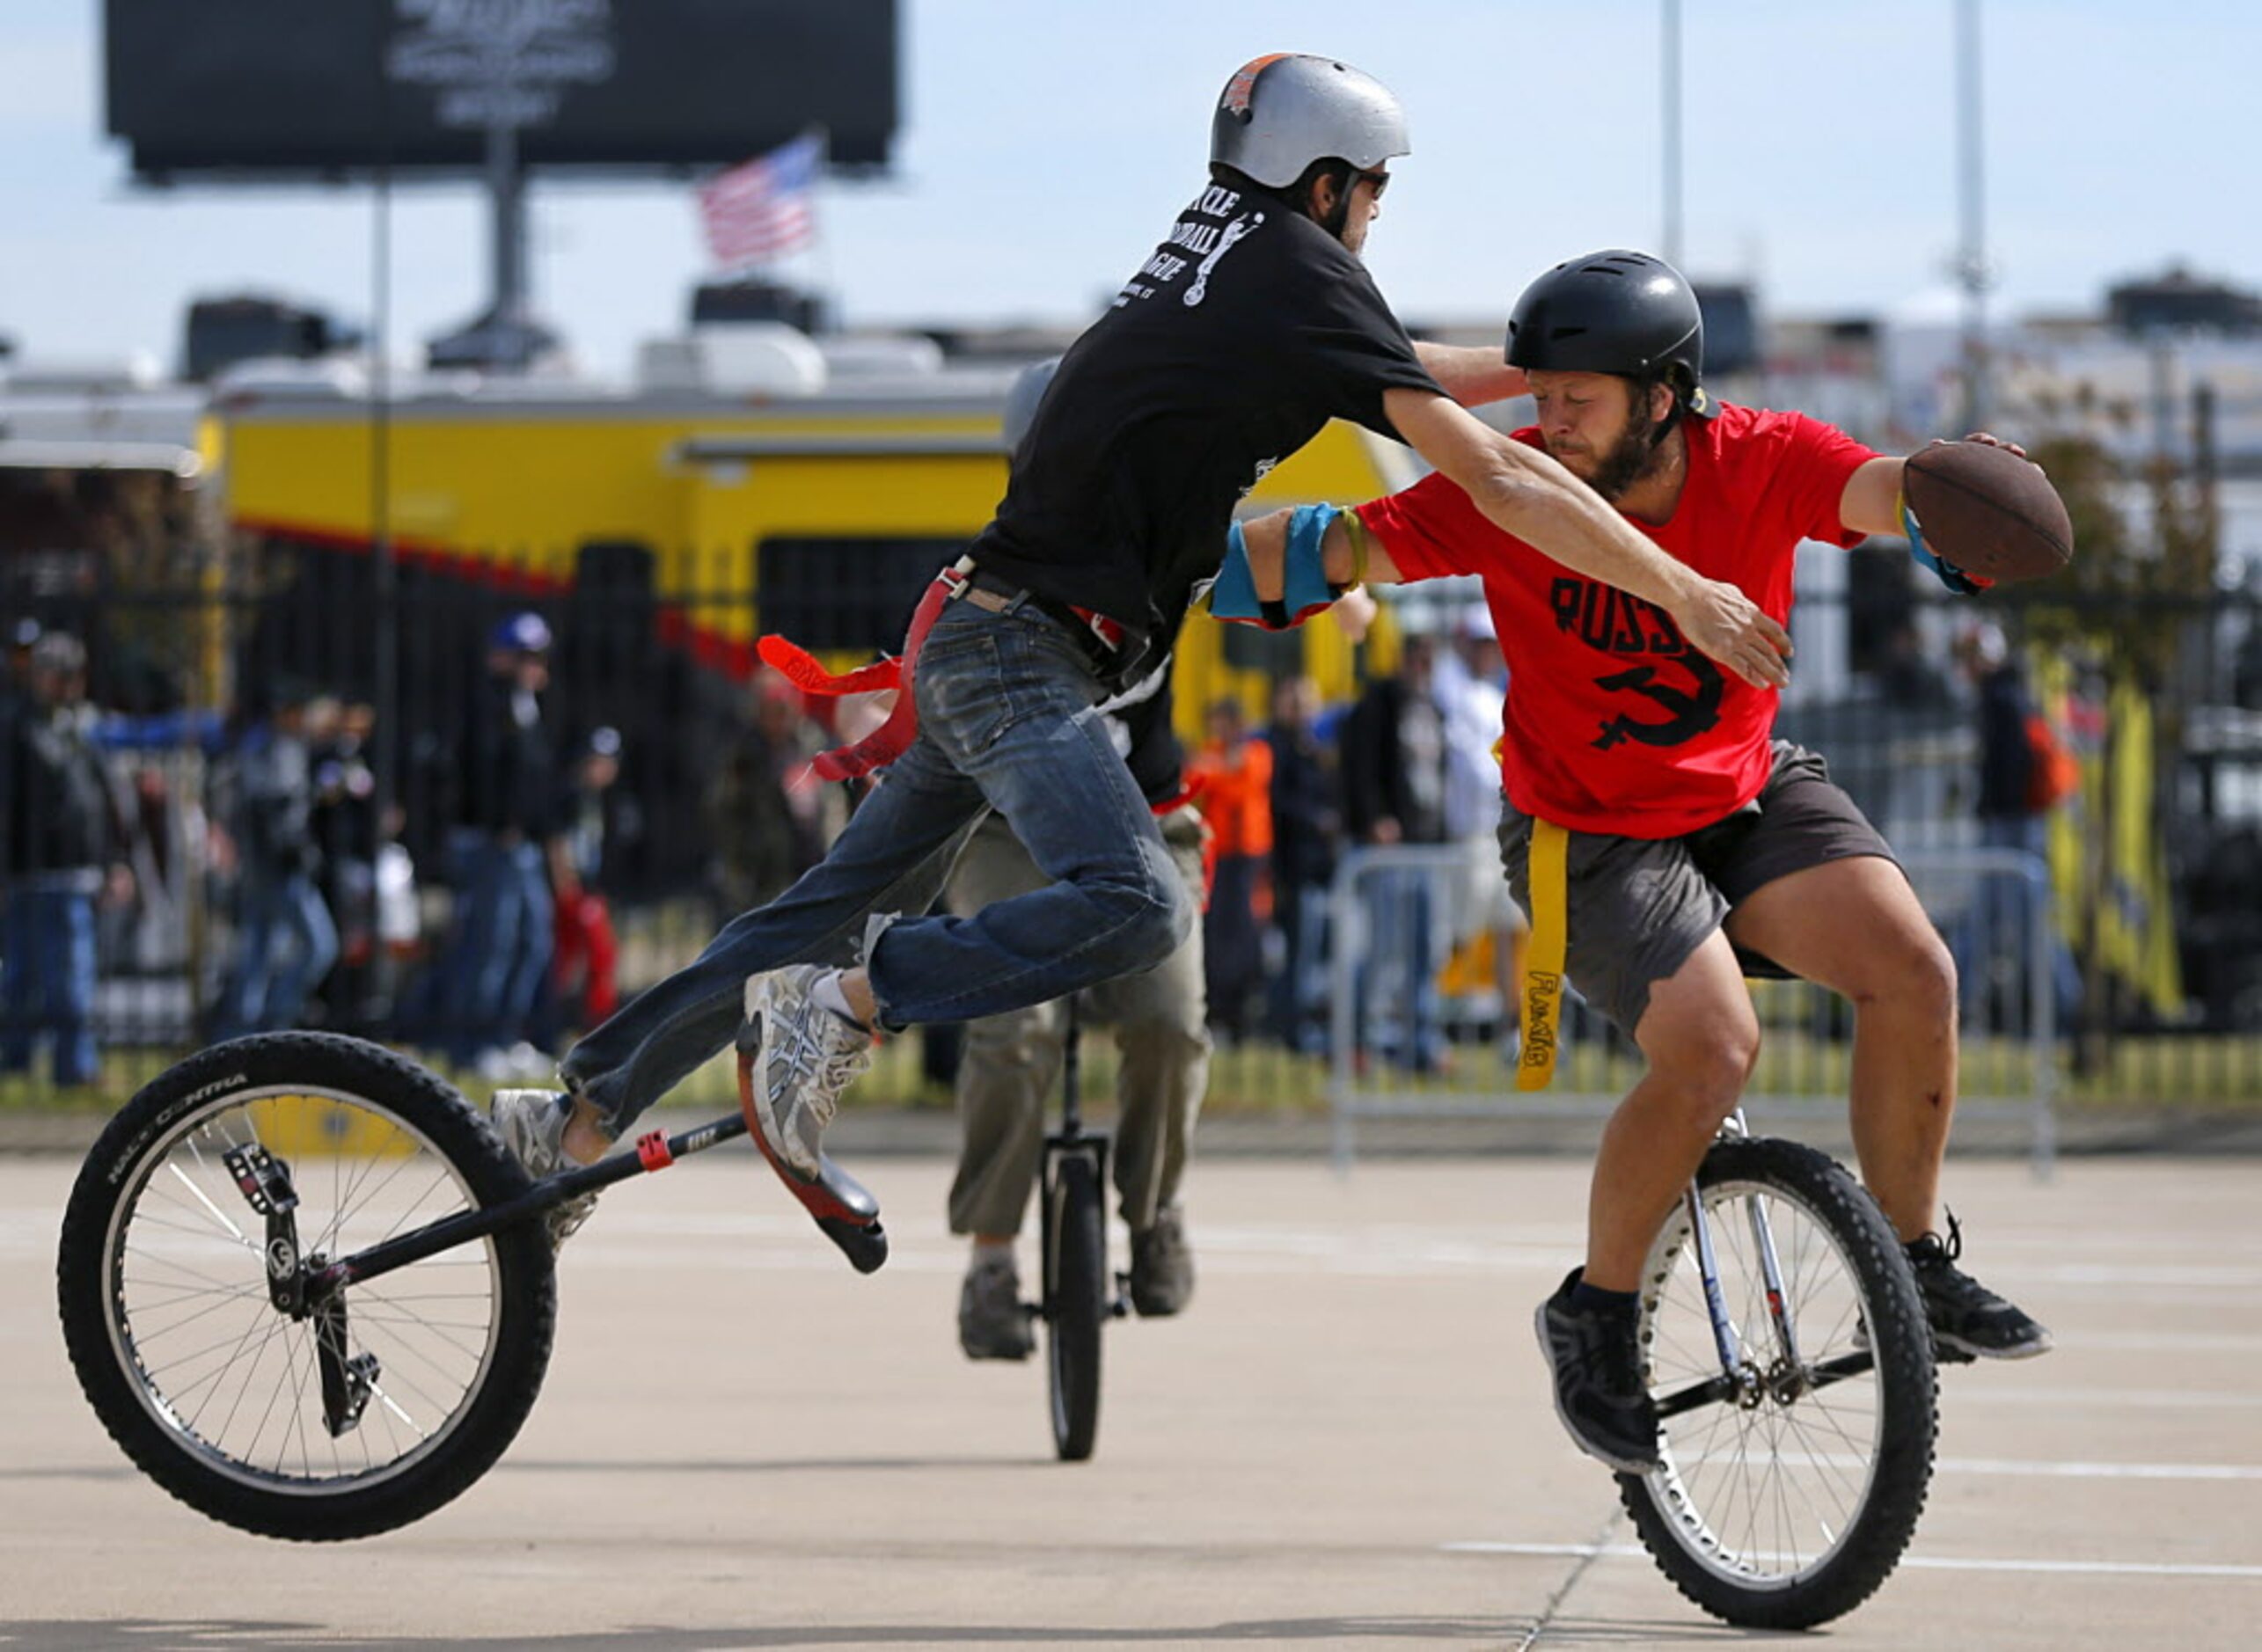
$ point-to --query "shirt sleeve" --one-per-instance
(1429, 530)
(1811, 484)
(1352, 349)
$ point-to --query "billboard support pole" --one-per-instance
(506, 184)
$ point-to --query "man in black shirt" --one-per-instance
(1250, 325)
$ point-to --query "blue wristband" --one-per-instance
(1308, 589)
(1947, 573)
(1232, 595)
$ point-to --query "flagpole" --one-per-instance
(828, 306)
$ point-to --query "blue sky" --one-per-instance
(1047, 144)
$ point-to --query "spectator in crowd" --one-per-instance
(1307, 828)
(767, 830)
(346, 839)
(509, 794)
(286, 940)
(1012, 1064)
(1394, 768)
(1488, 927)
(1991, 944)
(16, 682)
(584, 973)
(1909, 678)
(1233, 778)
(64, 849)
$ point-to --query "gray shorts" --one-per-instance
(1637, 907)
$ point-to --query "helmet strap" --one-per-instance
(1664, 426)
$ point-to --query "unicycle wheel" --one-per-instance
(1789, 1489)
(1076, 1303)
(211, 1198)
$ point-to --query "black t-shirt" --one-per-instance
(1246, 331)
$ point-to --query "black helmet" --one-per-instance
(1614, 313)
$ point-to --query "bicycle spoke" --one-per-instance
(208, 1347)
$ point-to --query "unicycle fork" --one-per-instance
(1737, 1364)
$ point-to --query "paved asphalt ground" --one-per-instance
(1345, 1445)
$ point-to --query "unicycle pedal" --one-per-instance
(843, 1210)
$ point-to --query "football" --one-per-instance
(1988, 511)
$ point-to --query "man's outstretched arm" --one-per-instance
(1471, 373)
(1525, 493)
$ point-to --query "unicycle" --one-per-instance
(308, 1291)
(1787, 1350)
(1079, 1293)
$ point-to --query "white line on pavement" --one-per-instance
(1929, 1563)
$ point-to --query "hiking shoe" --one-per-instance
(1600, 1394)
(807, 1055)
(1966, 1318)
(993, 1324)
(532, 1126)
(1162, 1266)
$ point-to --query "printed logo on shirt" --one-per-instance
(1678, 682)
(1234, 231)
(1203, 234)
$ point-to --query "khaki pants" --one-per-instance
(1011, 1069)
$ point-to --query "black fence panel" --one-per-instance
(231, 753)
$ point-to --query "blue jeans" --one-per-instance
(501, 948)
(1394, 989)
(1299, 992)
(46, 980)
(272, 980)
(1006, 722)
(1997, 926)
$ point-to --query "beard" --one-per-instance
(1627, 461)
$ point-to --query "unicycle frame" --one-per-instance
(654, 1151)
(1739, 1377)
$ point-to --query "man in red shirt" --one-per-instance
(1693, 841)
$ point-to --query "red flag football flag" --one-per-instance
(763, 209)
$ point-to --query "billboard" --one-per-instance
(275, 90)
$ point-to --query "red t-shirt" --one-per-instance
(1614, 723)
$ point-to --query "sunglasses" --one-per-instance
(1381, 180)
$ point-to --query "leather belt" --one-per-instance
(996, 596)
(1101, 637)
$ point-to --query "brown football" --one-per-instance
(1988, 511)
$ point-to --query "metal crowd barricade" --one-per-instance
(2009, 1059)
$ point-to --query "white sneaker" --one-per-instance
(809, 1057)
(532, 1126)
(527, 1061)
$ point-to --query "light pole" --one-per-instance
(1669, 54)
(1973, 273)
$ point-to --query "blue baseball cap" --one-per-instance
(526, 632)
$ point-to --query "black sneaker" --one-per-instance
(1600, 1394)
(1966, 1318)
(1162, 1266)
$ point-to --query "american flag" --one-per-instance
(762, 209)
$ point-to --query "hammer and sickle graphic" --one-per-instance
(1687, 715)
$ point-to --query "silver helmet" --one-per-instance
(1279, 113)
